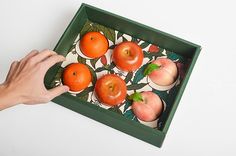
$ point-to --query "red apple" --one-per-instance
(147, 106)
(128, 56)
(162, 71)
(110, 89)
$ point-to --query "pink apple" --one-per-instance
(166, 74)
(149, 107)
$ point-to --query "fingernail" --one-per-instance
(66, 88)
(63, 57)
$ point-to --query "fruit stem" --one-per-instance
(111, 88)
(127, 52)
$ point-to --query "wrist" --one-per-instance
(8, 97)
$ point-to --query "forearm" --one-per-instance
(7, 97)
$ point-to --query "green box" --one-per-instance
(179, 46)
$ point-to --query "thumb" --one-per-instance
(54, 92)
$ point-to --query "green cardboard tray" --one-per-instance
(174, 45)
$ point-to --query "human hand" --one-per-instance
(25, 80)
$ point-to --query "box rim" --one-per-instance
(143, 25)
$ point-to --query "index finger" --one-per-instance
(43, 55)
(49, 62)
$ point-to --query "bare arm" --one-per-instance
(24, 82)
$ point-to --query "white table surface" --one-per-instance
(204, 123)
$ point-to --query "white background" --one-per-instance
(204, 123)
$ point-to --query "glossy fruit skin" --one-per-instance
(128, 56)
(93, 44)
(76, 76)
(166, 74)
(110, 89)
(150, 108)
